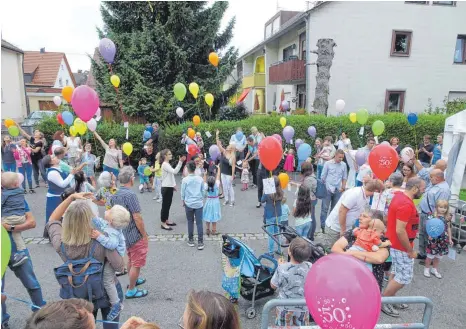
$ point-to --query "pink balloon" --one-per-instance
(277, 137)
(341, 292)
(20, 178)
(85, 102)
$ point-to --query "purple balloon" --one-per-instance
(298, 143)
(285, 105)
(288, 133)
(278, 138)
(107, 50)
(214, 152)
(312, 131)
(360, 157)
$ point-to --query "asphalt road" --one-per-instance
(173, 268)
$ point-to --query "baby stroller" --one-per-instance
(245, 274)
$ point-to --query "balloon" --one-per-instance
(360, 157)
(67, 93)
(385, 143)
(82, 128)
(298, 143)
(98, 112)
(20, 178)
(435, 227)
(6, 250)
(115, 80)
(270, 152)
(312, 131)
(214, 152)
(412, 119)
(57, 100)
(191, 133)
(283, 122)
(60, 119)
(362, 116)
(73, 131)
(128, 148)
(378, 127)
(288, 133)
(196, 120)
(180, 91)
(353, 117)
(67, 117)
(147, 171)
(213, 59)
(194, 89)
(92, 124)
(285, 105)
(179, 112)
(77, 121)
(340, 105)
(209, 99)
(304, 151)
(13, 131)
(9, 122)
(192, 149)
(107, 49)
(335, 303)
(85, 102)
(146, 135)
(278, 138)
(284, 180)
(406, 154)
(383, 161)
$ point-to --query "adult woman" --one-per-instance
(36, 154)
(22, 156)
(74, 150)
(8, 158)
(227, 168)
(310, 181)
(252, 157)
(209, 310)
(59, 139)
(343, 143)
(408, 172)
(149, 154)
(113, 158)
(318, 161)
(394, 143)
(168, 186)
(73, 236)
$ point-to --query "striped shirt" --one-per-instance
(128, 199)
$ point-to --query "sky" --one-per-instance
(70, 26)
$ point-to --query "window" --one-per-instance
(62, 67)
(302, 45)
(268, 30)
(418, 2)
(401, 43)
(287, 53)
(47, 106)
(460, 50)
(67, 82)
(444, 3)
(60, 82)
(276, 25)
(394, 101)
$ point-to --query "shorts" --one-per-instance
(434, 256)
(143, 180)
(402, 266)
(137, 253)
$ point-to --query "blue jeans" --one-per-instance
(114, 171)
(106, 310)
(272, 230)
(312, 231)
(190, 214)
(9, 167)
(303, 230)
(328, 203)
(26, 170)
(319, 170)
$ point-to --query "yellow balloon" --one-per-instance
(283, 122)
(82, 128)
(352, 117)
(73, 131)
(209, 99)
(77, 122)
(115, 80)
(127, 148)
(194, 89)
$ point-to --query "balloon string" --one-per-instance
(415, 143)
(117, 94)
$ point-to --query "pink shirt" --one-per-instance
(22, 155)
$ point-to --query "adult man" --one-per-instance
(402, 227)
(369, 146)
(438, 149)
(239, 140)
(424, 172)
(334, 175)
(425, 151)
(252, 157)
(154, 138)
(347, 210)
(438, 190)
(24, 272)
(135, 233)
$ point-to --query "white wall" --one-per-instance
(362, 68)
(64, 74)
(271, 56)
(13, 97)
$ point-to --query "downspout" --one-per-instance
(28, 111)
(308, 62)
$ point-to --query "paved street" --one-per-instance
(174, 268)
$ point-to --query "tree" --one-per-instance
(159, 44)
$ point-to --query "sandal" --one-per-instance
(140, 293)
(221, 196)
(214, 232)
(140, 281)
(207, 231)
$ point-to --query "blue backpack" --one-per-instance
(81, 278)
(321, 191)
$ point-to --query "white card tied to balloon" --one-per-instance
(269, 185)
(452, 253)
(208, 134)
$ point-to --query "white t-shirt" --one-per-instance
(355, 200)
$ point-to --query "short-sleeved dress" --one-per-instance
(439, 246)
(212, 211)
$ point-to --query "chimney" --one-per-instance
(42, 50)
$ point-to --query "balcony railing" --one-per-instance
(289, 72)
(254, 80)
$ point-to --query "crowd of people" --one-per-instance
(350, 220)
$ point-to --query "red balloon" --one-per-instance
(383, 161)
(192, 149)
(60, 119)
(270, 152)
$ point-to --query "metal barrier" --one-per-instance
(426, 317)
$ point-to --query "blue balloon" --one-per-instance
(67, 117)
(412, 119)
(146, 134)
(435, 227)
(239, 135)
(304, 151)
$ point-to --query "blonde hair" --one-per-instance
(77, 224)
(10, 179)
(443, 203)
(120, 216)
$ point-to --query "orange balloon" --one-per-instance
(191, 133)
(67, 92)
(9, 123)
(196, 120)
(213, 59)
(284, 180)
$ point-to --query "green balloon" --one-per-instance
(180, 91)
(378, 127)
(13, 131)
(147, 171)
(362, 116)
(6, 249)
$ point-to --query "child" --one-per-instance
(273, 213)
(82, 185)
(438, 247)
(143, 179)
(289, 279)
(212, 213)
(192, 196)
(245, 175)
(285, 212)
(289, 162)
(13, 213)
(302, 211)
(108, 232)
(91, 160)
(157, 179)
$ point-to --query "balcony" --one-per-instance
(292, 71)
(256, 80)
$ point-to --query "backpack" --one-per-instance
(81, 278)
(321, 191)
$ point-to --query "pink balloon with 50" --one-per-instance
(85, 102)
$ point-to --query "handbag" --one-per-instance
(321, 191)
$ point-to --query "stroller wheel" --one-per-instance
(251, 313)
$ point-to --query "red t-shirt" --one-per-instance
(402, 208)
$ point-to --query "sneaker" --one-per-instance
(253, 186)
(115, 311)
(191, 243)
(232, 204)
(155, 198)
(141, 188)
(159, 200)
(436, 273)
(400, 306)
(19, 259)
(5, 325)
(25, 192)
(258, 205)
(37, 186)
(200, 246)
(225, 203)
(389, 310)
(323, 230)
(426, 272)
(32, 191)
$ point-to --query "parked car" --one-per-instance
(34, 118)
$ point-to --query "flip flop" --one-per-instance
(140, 293)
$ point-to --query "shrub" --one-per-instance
(448, 108)
(231, 113)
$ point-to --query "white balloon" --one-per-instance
(406, 154)
(340, 105)
(385, 143)
(92, 124)
(179, 112)
(97, 113)
(57, 100)
(98, 118)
